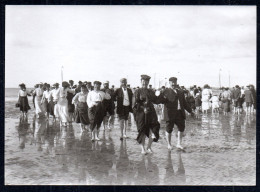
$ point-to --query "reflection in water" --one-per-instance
(111, 162)
(237, 129)
(23, 128)
(179, 177)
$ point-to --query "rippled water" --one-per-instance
(220, 150)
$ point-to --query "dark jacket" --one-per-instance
(119, 98)
(171, 104)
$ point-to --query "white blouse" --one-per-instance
(62, 93)
(38, 92)
(23, 93)
(80, 97)
(94, 96)
(46, 95)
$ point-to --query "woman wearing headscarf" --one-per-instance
(61, 107)
(23, 100)
(81, 114)
(145, 115)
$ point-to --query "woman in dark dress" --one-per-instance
(71, 107)
(23, 103)
(81, 112)
(145, 115)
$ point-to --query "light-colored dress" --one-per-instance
(61, 108)
(39, 109)
(215, 102)
(205, 99)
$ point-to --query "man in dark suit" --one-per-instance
(123, 97)
(174, 111)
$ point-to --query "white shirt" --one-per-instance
(46, 95)
(94, 96)
(126, 101)
(23, 93)
(80, 97)
(62, 92)
(38, 92)
(53, 93)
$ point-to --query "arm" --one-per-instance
(185, 104)
(75, 99)
(89, 101)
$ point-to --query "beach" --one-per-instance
(219, 150)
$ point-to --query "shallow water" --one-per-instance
(220, 150)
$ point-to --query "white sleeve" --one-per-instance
(75, 99)
(57, 95)
(89, 101)
(71, 91)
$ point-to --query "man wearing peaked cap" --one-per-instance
(145, 115)
(145, 77)
(123, 97)
(109, 107)
(174, 111)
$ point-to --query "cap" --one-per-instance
(65, 84)
(123, 80)
(145, 77)
(106, 82)
(172, 79)
(80, 82)
(97, 82)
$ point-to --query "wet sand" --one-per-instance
(220, 150)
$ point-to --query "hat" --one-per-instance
(206, 86)
(56, 84)
(237, 86)
(123, 80)
(71, 81)
(88, 83)
(106, 82)
(65, 84)
(172, 79)
(22, 85)
(145, 77)
(97, 82)
(80, 82)
(85, 82)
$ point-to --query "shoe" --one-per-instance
(125, 136)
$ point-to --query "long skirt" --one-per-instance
(226, 105)
(61, 110)
(51, 107)
(205, 105)
(96, 115)
(82, 113)
(145, 123)
(71, 107)
(39, 109)
(24, 104)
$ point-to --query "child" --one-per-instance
(215, 103)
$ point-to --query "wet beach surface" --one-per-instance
(220, 150)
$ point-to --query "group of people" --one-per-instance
(90, 106)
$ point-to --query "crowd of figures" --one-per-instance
(90, 106)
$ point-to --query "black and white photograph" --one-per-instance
(130, 95)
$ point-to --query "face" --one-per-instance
(144, 83)
(123, 84)
(106, 85)
(83, 89)
(71, 83)
(97, 86)
(173, 83)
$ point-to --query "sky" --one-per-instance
(193, 43)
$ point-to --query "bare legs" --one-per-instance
(123, 126)
(94, 134)
(180, 135)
